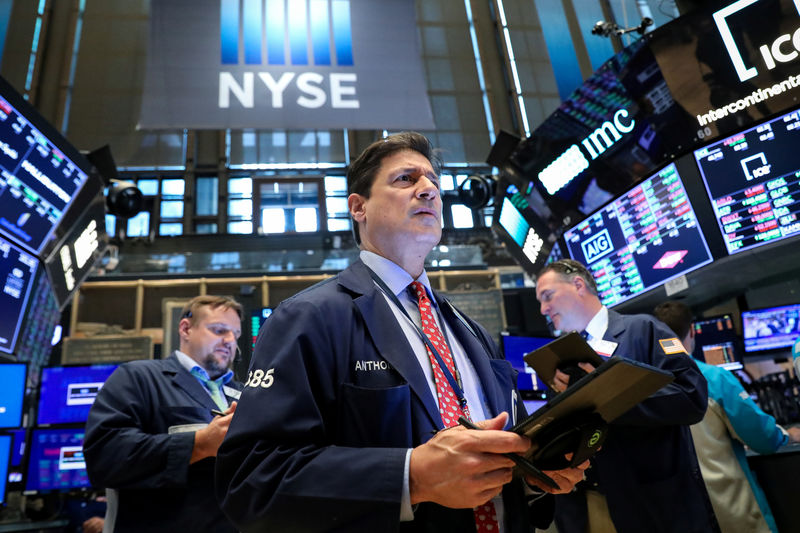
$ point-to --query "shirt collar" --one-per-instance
(190, 365)
(598, 325)
(393, 275)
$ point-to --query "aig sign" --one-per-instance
(597, 247)
(287, 32)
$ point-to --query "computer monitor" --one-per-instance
(716, 341)
(40, 173)
(514, 349)
(56, 460)
(66, 393)
(641, 240)
(257, 319)
(5, 461)
(17, 275)
(751, 180)
(12, 394)
(772, 328)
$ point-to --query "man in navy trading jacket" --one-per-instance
(151, 437)
(352, 379)
(646, 476)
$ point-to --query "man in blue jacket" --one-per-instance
(151, 437)
(646, 477)
(733, 420)
(341, 426)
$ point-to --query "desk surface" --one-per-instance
(32, 526)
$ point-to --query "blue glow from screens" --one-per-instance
(56, 460)
(752, 180)
(514, 349)
(772, 328)
(257, 319)
(12, 394)
(641, 240)
(5, 453)
(17, 272)
(37, 181)
(18, 446)
(67, 393)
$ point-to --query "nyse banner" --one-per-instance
(732, 63)
(285, 64)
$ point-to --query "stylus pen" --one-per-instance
(217, 412)
(525, 465)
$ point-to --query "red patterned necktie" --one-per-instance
(449, 408)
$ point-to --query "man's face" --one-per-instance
(404, 208)
(560, 300)
(211, 341)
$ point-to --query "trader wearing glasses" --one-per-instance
(155, 427)
(646, 476)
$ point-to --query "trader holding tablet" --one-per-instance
(646, 476)
(341, 426)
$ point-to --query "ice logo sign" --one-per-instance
(598, 246)
(284, 32)
(755, 166)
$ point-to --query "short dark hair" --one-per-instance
(361, 172)
(677, 315)
(190, 310)
(569, 269)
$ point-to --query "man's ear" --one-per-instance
(183, 327)
(357, 205)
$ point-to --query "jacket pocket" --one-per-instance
(379, 417)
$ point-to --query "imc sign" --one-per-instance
(284, 64)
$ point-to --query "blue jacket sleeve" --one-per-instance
(749, 423)
(682, 402)
(278, 467)
(119, 451)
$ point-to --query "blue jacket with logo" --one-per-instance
(334, 399)
(647, 468)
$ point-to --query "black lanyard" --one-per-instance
(462, 400)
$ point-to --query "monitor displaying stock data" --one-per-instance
(17, 274)
(753, 181)
(66, 393)
(38, 181)
(641, 240)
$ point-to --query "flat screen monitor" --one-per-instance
(17, 275)
(752, 180)
(715, 340)
(257, 319)
(514, 349)
(66, 393)
(12, 394)
(40, 173)
(82, 245)
(5, 461)
(517, 223)
(773, 328)
(56, 460)
(641, 240)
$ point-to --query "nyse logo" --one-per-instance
(313, 36)
(755, 166)
(783, 49)
(598, 246)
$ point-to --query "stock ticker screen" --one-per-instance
(641, 240)
(37, 181)
(17, 274)
(753, 181)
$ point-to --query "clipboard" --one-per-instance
(571, 348)
(610, 390)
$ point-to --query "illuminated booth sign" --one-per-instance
(284, 64)
(731, 64)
